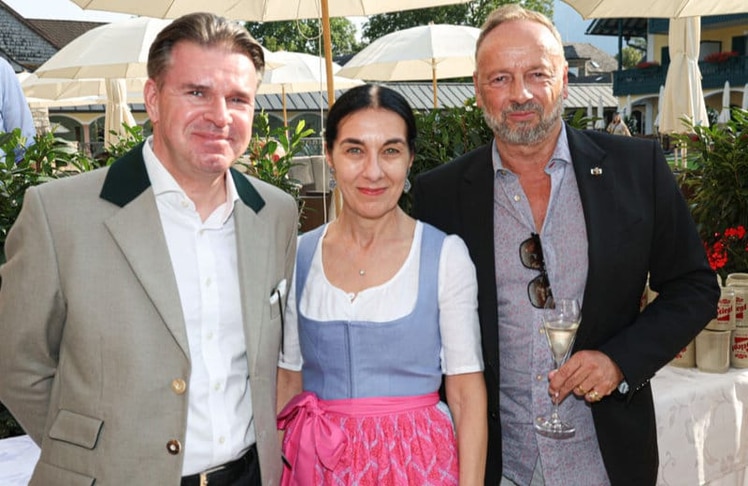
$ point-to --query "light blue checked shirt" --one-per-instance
(525, 358)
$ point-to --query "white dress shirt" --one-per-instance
(203, 256)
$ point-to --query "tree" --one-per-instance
(634, 52)
(305, 35)
(473, 13)
(631, 57)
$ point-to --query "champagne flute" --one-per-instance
(561, 319)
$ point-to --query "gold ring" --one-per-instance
(581, 390)
(594, 396)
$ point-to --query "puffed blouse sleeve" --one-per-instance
(458, 309)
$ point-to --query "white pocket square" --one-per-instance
(279, 291)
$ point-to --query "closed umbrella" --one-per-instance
(683, 96)
(659, 106)
(590, 123)
(627, 108)
(600, 122)
(299, 73)
(269, 11)
(117, 112)
(434, 51)
(744, 103)
(724, 114)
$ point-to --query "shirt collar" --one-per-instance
(163, 182)
(561, 153)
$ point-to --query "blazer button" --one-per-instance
(174, 447)
(178, 386)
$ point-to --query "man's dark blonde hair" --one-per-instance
(206, 30)
(510, 12)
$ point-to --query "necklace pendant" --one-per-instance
(362, 272)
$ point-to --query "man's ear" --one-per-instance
(150, 97)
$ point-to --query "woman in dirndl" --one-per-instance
(382, 307)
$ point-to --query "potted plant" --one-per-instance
(718, 188)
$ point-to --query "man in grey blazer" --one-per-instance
(140, 307)
(609, 213)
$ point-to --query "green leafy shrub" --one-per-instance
(718, 184)
(444, 135)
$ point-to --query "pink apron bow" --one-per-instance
(313, 437)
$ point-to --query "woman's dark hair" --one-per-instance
(370, 96)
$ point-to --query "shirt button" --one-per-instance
(217, 386)
(541, 330)
(221, 440)
(517, 198)
(209, 335)
(539, 377)
(174, 447)
(184, 203)
(208, 281)
(178, 386)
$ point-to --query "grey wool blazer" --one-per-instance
(93, 346)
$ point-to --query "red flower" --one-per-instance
(729, 249)
(720, 56)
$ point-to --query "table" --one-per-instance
(702, 430)
(702, 427)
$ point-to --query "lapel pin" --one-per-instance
(596, 171)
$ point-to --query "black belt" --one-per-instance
(223, 475)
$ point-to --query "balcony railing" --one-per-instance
(649, 80)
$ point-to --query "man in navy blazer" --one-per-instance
(609, 214)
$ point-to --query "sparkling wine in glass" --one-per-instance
(561, 319)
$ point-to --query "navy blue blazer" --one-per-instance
(637, 223)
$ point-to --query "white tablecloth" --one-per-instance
(702, 429)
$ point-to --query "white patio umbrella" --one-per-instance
(63, 92)
(590, 123)
(655, 8)
(744, 103)
(600, 122)
(116, 50)
(627, 108)
(299, 73)
(109, 53)
(683, 97)
(434, 51)
(660, 96)
(269, 11)
(724, 114)
(117, 112)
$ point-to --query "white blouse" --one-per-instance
(396, 298)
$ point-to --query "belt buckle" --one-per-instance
(204, 475)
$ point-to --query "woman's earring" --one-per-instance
(407, 186)
(333, 183)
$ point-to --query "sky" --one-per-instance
(567, 20)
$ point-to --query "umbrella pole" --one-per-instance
(285, 115)
(327, 40)
(433, 82)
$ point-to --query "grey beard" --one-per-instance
(525, 135)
